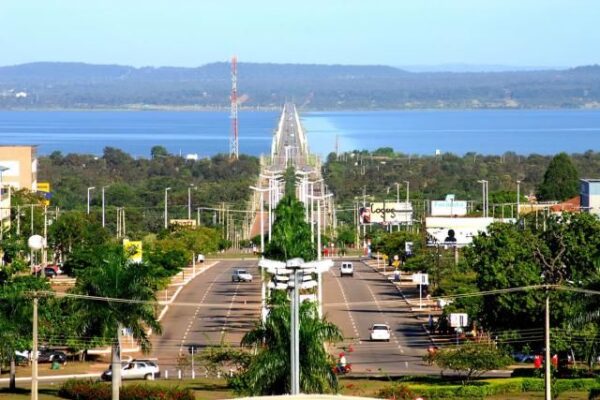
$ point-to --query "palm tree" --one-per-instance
(112, 275)
(269, 371)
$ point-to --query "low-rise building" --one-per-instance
(590, 195)
(19, 165)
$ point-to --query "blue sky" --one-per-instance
(394, 32)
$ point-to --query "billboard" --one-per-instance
(455, 231)
(44, 188)
(133, 249)
(391, 213)
(448, 207)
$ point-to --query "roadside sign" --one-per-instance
(420, 278)
(133, 249)
(459, 320)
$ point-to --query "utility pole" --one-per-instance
(518, 197)
(34, 351)
(88, 198)
(548, 372)
(45, 245)
(190, 200)
(166, 208)
(103, 208)
(295, 336)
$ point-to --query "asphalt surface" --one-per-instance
(222, 312)
(226, 310)
(355, 303)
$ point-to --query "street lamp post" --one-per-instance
(166, 208)
(407, 192)
(319, 277)
(103, 207)
(190, 200)
(2, 169)
(518, 197)
(263, 288)
(88, 198)
(484, 195)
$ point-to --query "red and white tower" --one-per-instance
(233, 140)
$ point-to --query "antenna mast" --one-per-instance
(233, 140)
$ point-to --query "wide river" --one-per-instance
(207, 133)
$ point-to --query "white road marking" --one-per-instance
(356, 334)
(199, 305)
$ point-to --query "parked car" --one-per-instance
(45, 355)
(50, 356)
(241, 275)
(50, 271)
(380, 332)
(346, 269)
(135, 369)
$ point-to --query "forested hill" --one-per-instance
(76, 85)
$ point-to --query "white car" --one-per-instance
(380, 332)
(347, 269)
(241, 275)
(136, 369)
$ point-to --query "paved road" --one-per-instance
(224, 312)
(408, 341)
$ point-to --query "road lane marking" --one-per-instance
(356, 334)
(200, 304)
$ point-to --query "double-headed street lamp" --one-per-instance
(166, 209)
(88, 198)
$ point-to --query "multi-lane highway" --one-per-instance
(355, 303)
(224, 311)
(213, 310)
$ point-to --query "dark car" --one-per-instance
(49, 356)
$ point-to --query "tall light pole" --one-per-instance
(88, 198)
(190, 200)
(2, 169)
(103, 207)
(518, 197)
(484, 195)
(319, 277)
(397, 192)
(263, 287)
(407, 192)
(166, 208)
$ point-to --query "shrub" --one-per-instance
(90, 390)
(396, 391)
(594, 393)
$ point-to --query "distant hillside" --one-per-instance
(48, 85)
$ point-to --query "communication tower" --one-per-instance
(233, 140)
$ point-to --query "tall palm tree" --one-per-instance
(269, 371)
(114, 276)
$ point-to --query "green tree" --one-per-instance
(470, 359)
(268, 373)
(561, 180)
(158, 151)
(16, 311)
(505, 258)
(290, 234)
(112, 275)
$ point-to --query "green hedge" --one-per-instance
(482, 389)
(91, 390)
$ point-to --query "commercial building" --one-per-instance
(19, 165)
(18, 170)
(590, 195)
